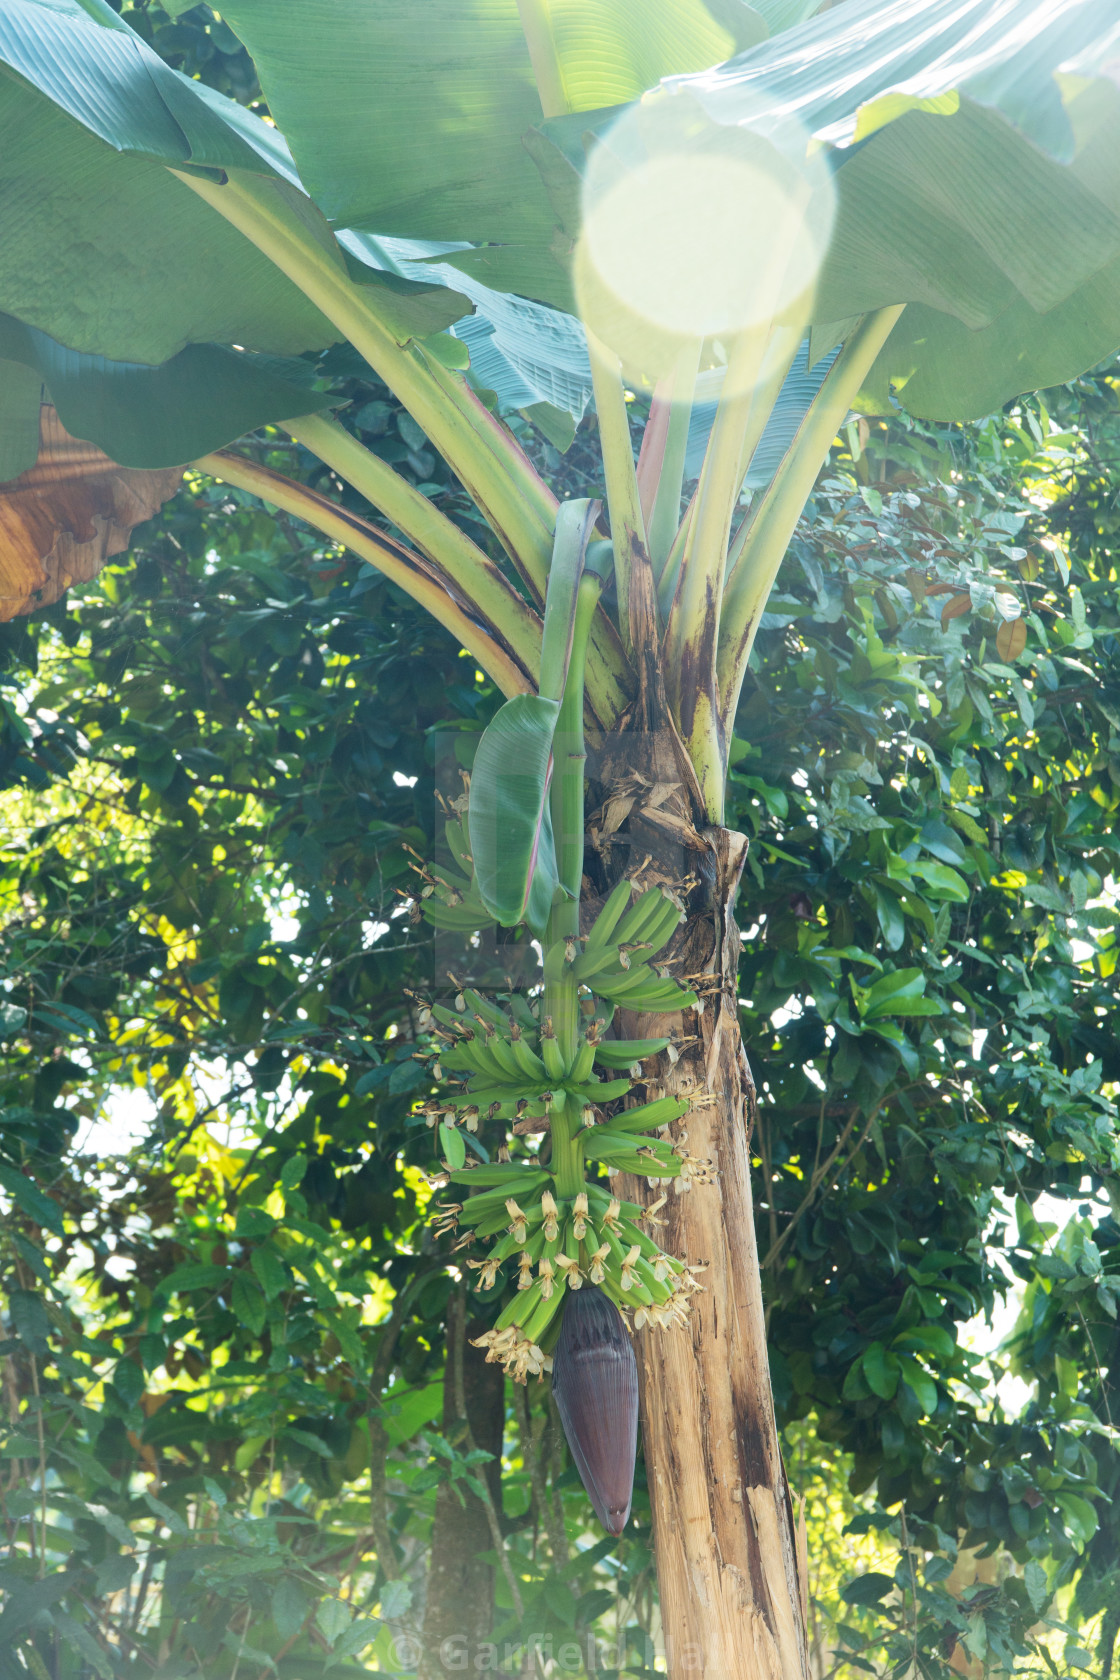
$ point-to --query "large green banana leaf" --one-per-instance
(410, 120)
(509, 816)
(976, 154)
(103, 249)
(146, 416)
(972, 182)
(511, 834)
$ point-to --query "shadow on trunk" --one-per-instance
(731, 1588)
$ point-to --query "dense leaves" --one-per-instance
(228, 1340)
(929, 975)
(234, 1338)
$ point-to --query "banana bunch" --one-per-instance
(510, 1066)
(448, 900)
(615, 961)
(558, 1244)
(496, 1052)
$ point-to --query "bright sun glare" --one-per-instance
(695, 230)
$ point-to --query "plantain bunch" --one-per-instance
(550, 1226)
(449, 899)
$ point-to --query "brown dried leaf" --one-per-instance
(616, 811)
(1011, 639)
(954, 608)
(69, 513)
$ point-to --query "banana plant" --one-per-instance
(532, 1060)
(760, 217)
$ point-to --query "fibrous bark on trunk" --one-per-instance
(724, 1530)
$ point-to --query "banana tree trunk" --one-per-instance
(724, 1531)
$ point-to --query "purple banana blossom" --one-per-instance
(595, 1382)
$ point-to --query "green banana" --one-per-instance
(661, 929)
(582, 1065)
(482, 1060)
(621, 1052)
(500, 1173)
(553, 1058)
(616, 1154)
(652, 994)
(530, 1064)
(632, 1234)
(495, 1221)
(503, 1053)
(520, 1307)
(608, 918)
(601, 1197)
(478, 1005)
(455, 918)
(623, 981)
(637, 1291)
(647, 1117)
(478, 1208)
(521, 1010)
(458, 846)
(641, 916)
(588, 968)
(600, 1090)
(659, 1288)
(543, 1313)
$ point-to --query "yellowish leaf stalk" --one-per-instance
(491, 465)
(414, 575)
(536, 26)
(469, 570)
(623, 501)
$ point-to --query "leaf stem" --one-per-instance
(482, 583)
(569, 752)
(482, 453)
(628, 529)
(409, 571)
(561, 993)
(536, 25)
(493, 468)
(692, 633)
(664, 515)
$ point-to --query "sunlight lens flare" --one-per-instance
(697, 230)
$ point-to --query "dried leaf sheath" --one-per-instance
(595, 1383)
(63, 518)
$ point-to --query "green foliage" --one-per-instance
(215, 766)
(930, 937)
(206, 847)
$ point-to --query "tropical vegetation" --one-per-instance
(197, 289)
